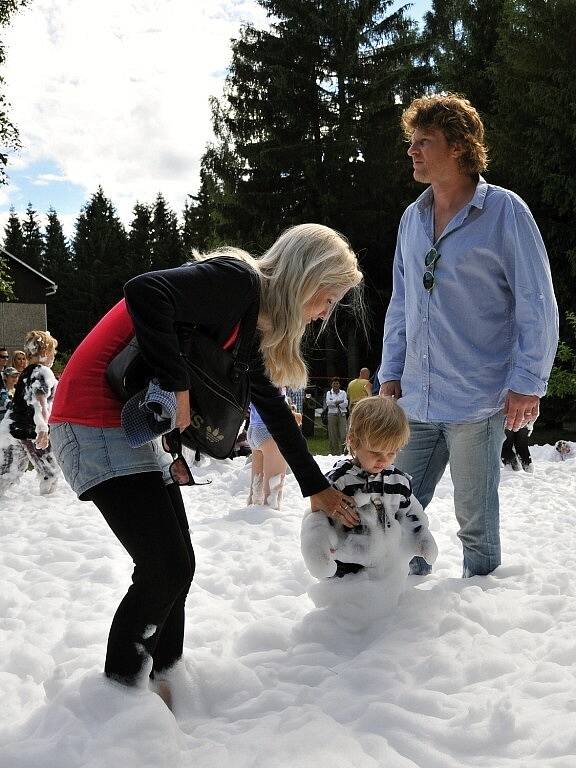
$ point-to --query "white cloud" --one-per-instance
(116, 92)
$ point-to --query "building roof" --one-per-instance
(51, 286)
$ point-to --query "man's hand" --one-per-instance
(390, 389)
(520, 409)
(182, 410)
(336, 505)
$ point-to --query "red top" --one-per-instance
(83, 395)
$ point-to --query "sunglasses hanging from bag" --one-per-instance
(179, 470)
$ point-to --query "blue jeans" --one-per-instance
(473, 451)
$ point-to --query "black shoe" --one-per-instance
(513, 463)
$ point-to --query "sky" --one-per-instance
(281, 670)
(116, 93)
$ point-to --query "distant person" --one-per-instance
(336, 404)
(19, 360)
(295, 397)
(4, 357)
(471, 329)
(24, 430)
(268, 467)
(393, 527)
(358, 388)
(8, 380)
(515, 449)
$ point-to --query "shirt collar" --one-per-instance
(427, 197)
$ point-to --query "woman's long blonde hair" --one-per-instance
(305, 259)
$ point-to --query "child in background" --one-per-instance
(393, 526)
(24, 430)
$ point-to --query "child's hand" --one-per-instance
(318, 541)
(41, 441)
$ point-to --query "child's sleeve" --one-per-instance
(415, 529)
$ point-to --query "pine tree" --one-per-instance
(33, 241)
(102, 263)
(461, 39)
(140, 239)
(13, 236)
(58, 267)
(533, 140)
(166, 241)
(309, 130)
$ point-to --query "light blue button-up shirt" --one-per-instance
(489, 324)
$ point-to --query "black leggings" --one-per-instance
(149, 520)
(516, 442)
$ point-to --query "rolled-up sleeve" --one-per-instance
(536, 311)
(394, 342)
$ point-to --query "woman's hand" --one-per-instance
(336, 505)
(182, 410)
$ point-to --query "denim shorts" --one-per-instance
(90, 455)
(256, 435)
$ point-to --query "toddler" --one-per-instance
(393, 526)
(24, 430)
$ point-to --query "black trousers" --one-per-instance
(516, 442)
(149, 520)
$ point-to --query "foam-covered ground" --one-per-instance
(478, 672)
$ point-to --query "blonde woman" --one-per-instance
(298, 280)
(19, 360)
(24, 430)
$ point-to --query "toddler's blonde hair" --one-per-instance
(39, 344)
(378, 424)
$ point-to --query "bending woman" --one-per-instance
(298, 280)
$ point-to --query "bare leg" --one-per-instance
(256, 481)
(274, 473)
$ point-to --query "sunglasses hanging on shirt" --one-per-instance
(430, 260)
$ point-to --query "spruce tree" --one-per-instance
(166, 241)
(58, 267)
(33, 240)
(101, 260)
(533, 138)
(13, 236)
(140, 239)
(309, 130)
(461, 39)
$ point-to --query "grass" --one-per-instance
(318, 445)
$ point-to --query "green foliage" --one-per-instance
(13, 236)
(562, 381)
(101, 264)
(33, 241)
(165, 243)
(140, 238)
(58, 266)
(9, 140)
(534, 125)
(460, 38)
(308, 130)
(6, 283)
